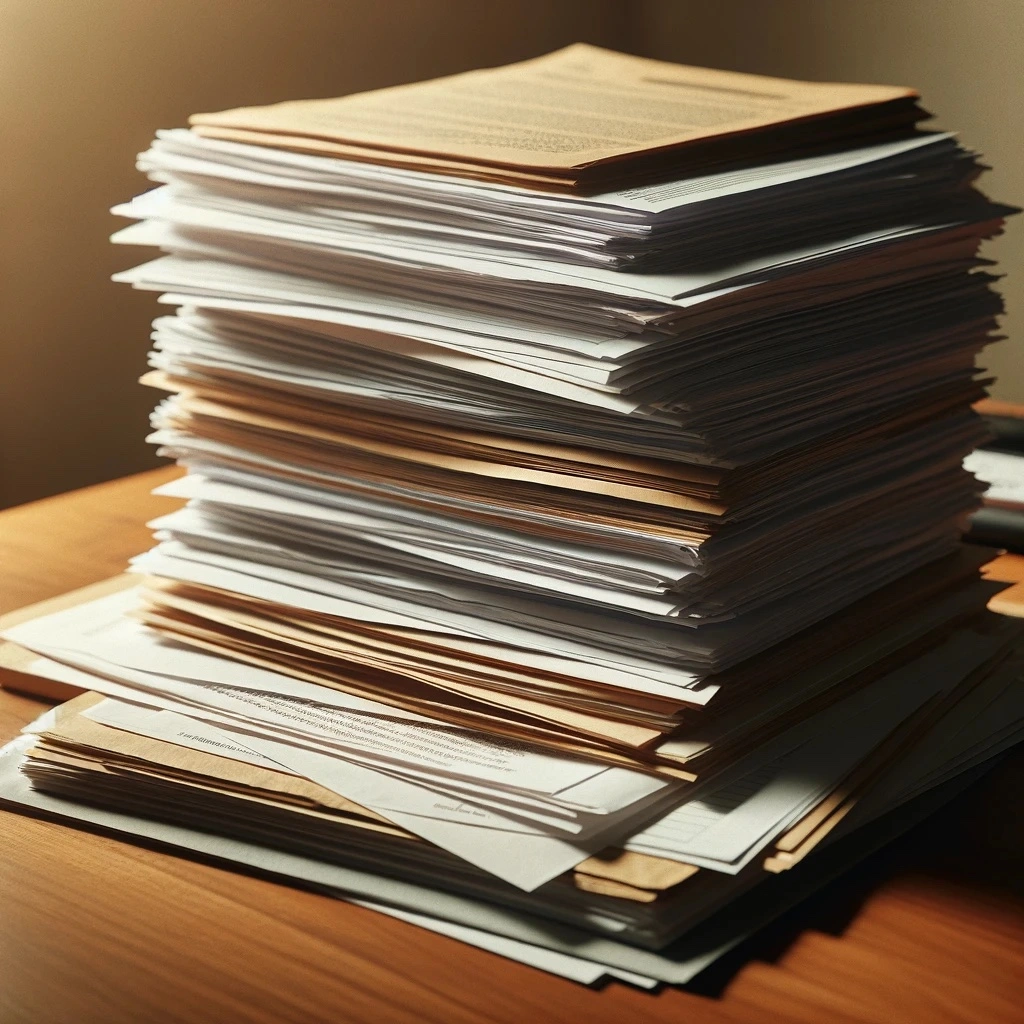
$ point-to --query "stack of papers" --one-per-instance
(1000, 465)
(573, 118)
(574, 499)
(145, 765)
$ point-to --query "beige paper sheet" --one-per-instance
(571, 109)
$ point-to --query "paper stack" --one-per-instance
(575, 493)
(999, 463)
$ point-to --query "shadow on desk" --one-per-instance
(968, 858)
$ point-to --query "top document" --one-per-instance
(578, 118)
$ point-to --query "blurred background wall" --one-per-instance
(84, 83)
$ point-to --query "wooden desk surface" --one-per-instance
(94, 931)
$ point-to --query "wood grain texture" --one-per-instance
(93, 931)
(58, 544)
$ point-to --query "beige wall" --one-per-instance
(965, 56)
(83, 84)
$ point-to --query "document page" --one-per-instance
(577, 106)
(1003, 472)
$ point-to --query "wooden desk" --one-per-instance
(94, 931)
